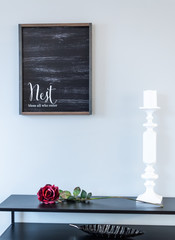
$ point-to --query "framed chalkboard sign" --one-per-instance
(55, 68)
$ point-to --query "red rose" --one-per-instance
(48, 194)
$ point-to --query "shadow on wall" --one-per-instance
(164, 145)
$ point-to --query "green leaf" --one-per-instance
(83, 194)
(71, 198)
(89, 195)
(60, 191)
(76, 191)
(65, 194)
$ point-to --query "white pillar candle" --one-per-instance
(150, 99)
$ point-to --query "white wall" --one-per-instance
(133, 50)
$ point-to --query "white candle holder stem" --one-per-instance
(149, 158)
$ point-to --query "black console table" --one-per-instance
(47, 231)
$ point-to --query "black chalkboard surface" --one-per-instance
(55, 68)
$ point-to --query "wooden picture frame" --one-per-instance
(55, 68)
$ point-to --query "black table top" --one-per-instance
(30, 203)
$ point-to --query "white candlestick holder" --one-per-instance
(149, 158)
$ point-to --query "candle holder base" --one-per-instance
(150, 197)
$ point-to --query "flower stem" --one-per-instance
(128, 198)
